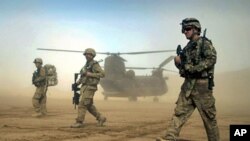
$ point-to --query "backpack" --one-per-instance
(51, 75)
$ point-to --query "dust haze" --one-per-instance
(134, 121)
(117, 26)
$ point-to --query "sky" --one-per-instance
(114, 26)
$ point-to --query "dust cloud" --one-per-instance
(135, 121)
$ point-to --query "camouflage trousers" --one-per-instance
(39, 100)
(202, 99)
(86, 104)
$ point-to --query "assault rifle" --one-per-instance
(75, 88)
(180, 52)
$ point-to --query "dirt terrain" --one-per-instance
(143, 120)
(127, 121)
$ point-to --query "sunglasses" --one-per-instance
(186, 29)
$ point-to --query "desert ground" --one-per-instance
(143, 120)
(127, 121)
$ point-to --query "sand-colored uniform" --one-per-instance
(88, 89)
(194, 91)
(39, 98)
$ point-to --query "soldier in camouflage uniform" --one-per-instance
(90, 77)
(196, 65)
(39, 80)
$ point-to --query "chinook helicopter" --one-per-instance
(121, 81)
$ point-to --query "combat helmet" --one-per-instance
(90, 51)
(191, 22)
(38, 60)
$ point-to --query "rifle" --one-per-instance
(203, 40)
(34, 77)
(76, 96)
(210, 73)
(179, 51)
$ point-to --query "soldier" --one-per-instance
(39, 80)
(90, 77)
(196, 65)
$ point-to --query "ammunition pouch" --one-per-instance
(91, 81)
(210, 78)
(195, 76)
(39, 84)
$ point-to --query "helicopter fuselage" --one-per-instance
(119, 82)
(139, 86)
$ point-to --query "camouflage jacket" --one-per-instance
(96, 73)
(39, 77)
(197, 63)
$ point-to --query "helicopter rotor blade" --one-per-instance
(139, 68)
(166, 61)
(145, 52)
(61, 50)
(170, 70)
(108, 53)
(75, 51)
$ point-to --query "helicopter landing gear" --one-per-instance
(132, 98)
(156, 99)
(105, 98)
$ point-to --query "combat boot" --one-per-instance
(44, 113)
(161, 139)
(167, 138)
(78, 124)
(101, 120)
(37, 115)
